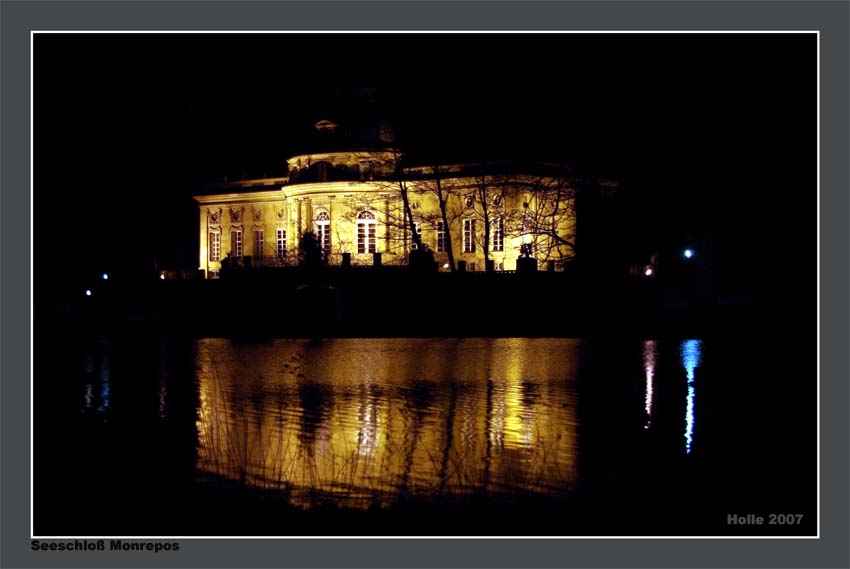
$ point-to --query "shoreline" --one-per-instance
(396, 303)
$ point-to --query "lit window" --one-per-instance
(323, 230)
(441, 238)
(499, 235)
(500, 265)
(471, 267)
(281, 243)
(418, 228)
(366, 232)
(236, 243)
(470, 201)
(215, 246)
(468, 235)
(259, 242)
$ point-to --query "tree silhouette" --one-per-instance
(310, 254)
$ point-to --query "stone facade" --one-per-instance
(352, 200)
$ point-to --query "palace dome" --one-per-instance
(354, 121)
(352, 141)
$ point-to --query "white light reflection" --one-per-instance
(691, 351)
(369, 425)
(497, 414)
(89, 396)
(649, 371)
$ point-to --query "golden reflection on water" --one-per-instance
(362, 422)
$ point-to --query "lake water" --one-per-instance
(615, 436)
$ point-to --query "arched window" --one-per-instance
(323, 230)
(366, 232)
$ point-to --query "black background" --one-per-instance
(712, 136)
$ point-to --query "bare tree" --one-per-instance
(401, 182)
(394, 201)
(490, 192)
(546, 221)
(435, 180)
(444, 193)
(537, 207)
(410, 191)
(345, 244)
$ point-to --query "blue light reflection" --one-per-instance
(105, 377)
(691, 352)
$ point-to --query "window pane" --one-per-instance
(366, 232)
(499, 235)
(281, 243)
(236, 243)
(468, 235)
(215, 246)
(259, 242)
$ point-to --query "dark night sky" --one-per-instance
(711, 135)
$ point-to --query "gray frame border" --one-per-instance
(829, 17)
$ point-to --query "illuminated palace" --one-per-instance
(353, 189)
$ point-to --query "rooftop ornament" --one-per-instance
(325, 126)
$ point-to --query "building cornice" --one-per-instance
(307, 190)
(386, 153)
(250, 183)
(242, 197)
(343, 187)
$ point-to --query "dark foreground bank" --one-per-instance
(398, 302)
